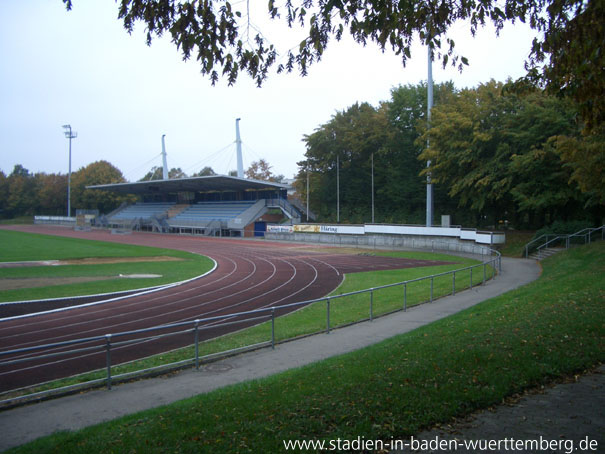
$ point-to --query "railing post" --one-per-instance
(405, 297)
(432, 278)
(454, 283)
(371, 304)
(273, 328)
(471, 277)
(108, 359)
(327, 315)
(197, 344)
(483, 274)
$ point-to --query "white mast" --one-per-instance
(238, 141)
(164, 162)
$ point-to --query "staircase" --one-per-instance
(545, 253)
(553, 243)
(176, 209)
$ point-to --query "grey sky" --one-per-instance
(82, 68)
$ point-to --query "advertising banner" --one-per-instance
(305, 228)
(280, 228)
(343, 229)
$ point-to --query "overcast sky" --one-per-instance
(82, 68)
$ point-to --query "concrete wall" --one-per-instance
(384, 241)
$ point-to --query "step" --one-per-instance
(546, 252)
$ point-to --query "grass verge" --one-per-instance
(471, 360)
(19, 246)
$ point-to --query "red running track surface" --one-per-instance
(250, 274)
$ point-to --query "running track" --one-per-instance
(249, 275)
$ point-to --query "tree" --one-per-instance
(3, 192)
(21, 198)
(567, 57)
(97, 173)
(404, 187)
(387, 136)
(205, 172)
(52, 193)
(350, 139)
(261, 170)
(573, 50)
(585, 158)
(157, 173)
(494, 150)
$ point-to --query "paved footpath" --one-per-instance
(24, 424)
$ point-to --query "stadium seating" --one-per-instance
(205, 212)
(141, 211)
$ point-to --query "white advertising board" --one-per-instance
(280, 228)
(343, 229)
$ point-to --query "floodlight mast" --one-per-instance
(70, 135)
(429, 186)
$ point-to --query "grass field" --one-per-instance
(18, 246)
(474, 359)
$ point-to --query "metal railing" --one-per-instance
(285, 205)
(584, 236)
(110, 342)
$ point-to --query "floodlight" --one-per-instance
(69, 134)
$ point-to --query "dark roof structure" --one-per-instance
(195, 184)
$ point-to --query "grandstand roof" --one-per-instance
(196, 184)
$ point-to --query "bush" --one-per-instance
(563, 228)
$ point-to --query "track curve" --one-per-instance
(249, 275)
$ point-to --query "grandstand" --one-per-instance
(215, 205)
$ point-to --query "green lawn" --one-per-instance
(552, 327)
(19, 246)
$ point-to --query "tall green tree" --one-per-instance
(386, 135)
(494, 150)
(404, 189)
(345, 146)
(585, 158)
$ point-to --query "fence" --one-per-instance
(584, 236)
(110, 343)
